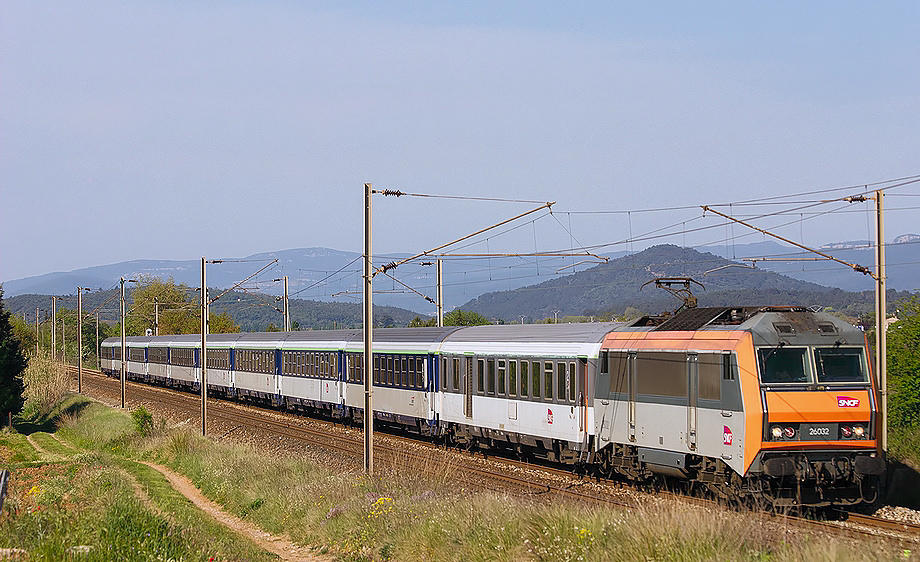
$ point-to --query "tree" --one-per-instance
(12, 365)
(222, 324)
(417, 322)
(179, 310)
(904, 365)
(459, 317)
(25, 333)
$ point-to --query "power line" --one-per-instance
(397, 193)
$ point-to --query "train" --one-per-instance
(774, 405)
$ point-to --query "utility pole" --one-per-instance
(123, 339)
(440, 294)
(368, 336)
(98, 359)
(881, 315)
(287, 307)
(36, 331)
(123, 343)
(204, 350)
(156, 316)
(80, 338)
(53, 327)
(286, 310)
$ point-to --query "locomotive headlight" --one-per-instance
(859, 431)
(789, 432)
(846, 431)
(776, 432)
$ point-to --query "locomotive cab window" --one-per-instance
(783, 365)
(840, 365)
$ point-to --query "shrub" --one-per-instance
(143, 421)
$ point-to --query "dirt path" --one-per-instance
(278, 545)
(41, 449)
(281, 546)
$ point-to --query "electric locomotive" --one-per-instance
(773, 403)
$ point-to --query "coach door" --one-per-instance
(468, 387)
(693, 393)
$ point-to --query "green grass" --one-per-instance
(90, 499)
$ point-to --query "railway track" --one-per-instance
(468, 469)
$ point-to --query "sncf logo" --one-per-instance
(726, 435)
(847, 402)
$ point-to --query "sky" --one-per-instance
(175, 130)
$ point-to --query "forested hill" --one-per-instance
(614, 286)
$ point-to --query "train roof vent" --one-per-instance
(691, 319)
(827, 329)
(784, 329)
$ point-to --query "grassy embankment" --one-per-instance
(85, 494)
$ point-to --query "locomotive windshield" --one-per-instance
(831, 365)
(839, 365)
(779, 365)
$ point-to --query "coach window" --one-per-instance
(524, 381)
(490, 375)
(512, 378)
(444, 375)
(548, 380)
(481, 376)
(420, 372)
(456, 374)
(572, 382)
(537, 375)
(501, 377)
(561, 378)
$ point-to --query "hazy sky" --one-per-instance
(176, 129)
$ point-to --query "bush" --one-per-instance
(143, 421)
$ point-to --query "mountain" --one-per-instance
(319, 274)
(323, 274)
(252, 312)
(902, 257)
(621, 283)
